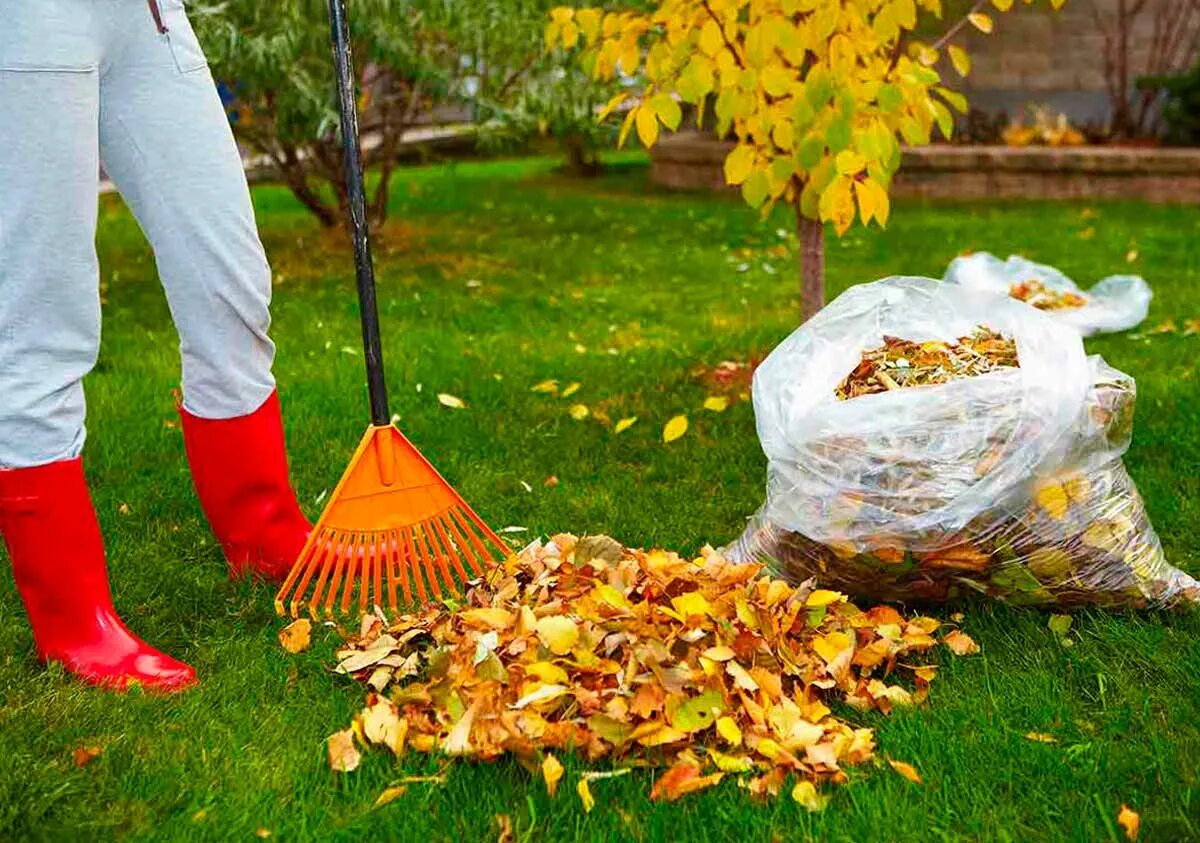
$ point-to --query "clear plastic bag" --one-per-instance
(1117, 303)
(1008, 483)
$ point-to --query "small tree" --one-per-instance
(413, 56)
(818, 94)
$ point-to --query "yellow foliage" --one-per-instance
(818, 94)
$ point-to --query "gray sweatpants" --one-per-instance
(88, 80)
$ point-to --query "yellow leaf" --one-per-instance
(776, 80)
(558, 632)
(675, 428)
(624, 424)
(866, 201)
(728, 729)
(960, 60)
(487, 618)
(296, 636)
(390, 794)
(716, 403)
(739, 163)
(805, 793)
(647, 125)
(585, 796)
(831, 645)
(960, 643)
(1129, 820)
(1002, 5)
(547, 672)
(1040, 737)
(719, 653)
(552, 771)
(980, 21)
(570, 390)
(823, 597)
(1052, 498)
(692, 603)
(710, 38)
(579, 412)
(906, 770)
(850, 163)
(451, 401)
(611, 106)
(589, 22)
(730, 763)
(550, 386)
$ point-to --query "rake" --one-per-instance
(393, 527)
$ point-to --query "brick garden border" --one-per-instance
(691, 160)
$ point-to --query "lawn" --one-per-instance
(495, 276)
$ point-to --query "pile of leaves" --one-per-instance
(900, 363)
(701, 665)
(1036, 293)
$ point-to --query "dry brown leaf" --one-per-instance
(504, 828)
(960, 643)
(343, 755)
(83, 755)
(296, 636)
(1129, 820)
(907, 770)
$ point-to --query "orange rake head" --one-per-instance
(392, 524)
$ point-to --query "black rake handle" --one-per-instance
(364, 270)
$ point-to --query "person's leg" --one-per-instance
(167, 144)
(49, 336)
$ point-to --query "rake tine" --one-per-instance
(449, 546)
(428, 558)
(354, 559)
(419, 575)
(320, 562)
(375, 578)
(463, 545)
(472, 524)
(400, 566)
(327, 585)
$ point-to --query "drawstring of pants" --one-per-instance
(156, 13)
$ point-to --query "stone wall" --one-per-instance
(1038, 55)
(693, 161)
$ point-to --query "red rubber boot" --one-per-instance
(57, 555)
(240, 470)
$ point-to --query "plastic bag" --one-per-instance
(1008, 483)
(1117, 303)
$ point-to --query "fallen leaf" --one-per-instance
(624, 424)
(83, 755)
(504, 827)
(264, 833)
(960, 643)
(1060, 625)
(552, 773)
(451, 401)
(728, 729)
(1040, 737)
(124, 509)
(805, 793)
(1191, 327)
(1131, 256)
(343, 755)
(1129, 820)
(550, 386)
(569, 390)
(551, 481)
(906, 770)
(579, 412)
(1052, 498)
(543, 693)
(675, 428)
(390, 794)
(585, 795)
(716, 403)
(296, 636)
(1167, 326)
(680, 779)
(558, 632)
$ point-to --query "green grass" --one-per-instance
(603, 265)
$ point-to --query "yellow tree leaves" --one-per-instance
(797, 83)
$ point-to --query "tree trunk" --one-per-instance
(810, 235)
(582, 160)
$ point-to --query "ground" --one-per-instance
(494, 277)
